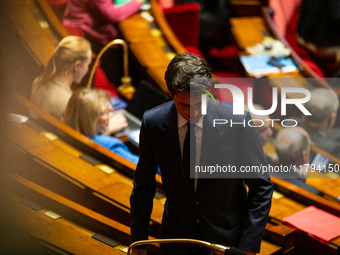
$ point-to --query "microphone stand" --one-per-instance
(125, 89)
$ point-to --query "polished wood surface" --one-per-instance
(329, 186)
(248, 31)
(73, 231)
(152, 42)
(57, 26)
(61, 162)
(289, 199)
(33, 27)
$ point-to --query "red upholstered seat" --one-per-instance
(184, 21)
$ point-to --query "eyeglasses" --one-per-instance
(108, 111)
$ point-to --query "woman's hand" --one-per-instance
(117, 122)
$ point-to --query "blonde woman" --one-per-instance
(70, 62)
(89, 111)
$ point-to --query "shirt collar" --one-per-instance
(182, 122)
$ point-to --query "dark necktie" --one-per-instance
(189, 154)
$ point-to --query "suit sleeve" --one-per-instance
(141, 199)
(260, 188)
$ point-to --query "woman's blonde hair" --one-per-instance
(84, 109)
(69, 50)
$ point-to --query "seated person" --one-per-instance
(88, 112)
(99, 20)
(293, 148)
(69, 63)
(323, 106)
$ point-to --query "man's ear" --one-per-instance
(331, 120)
(304, 156)
(171, 95)
(333, 116)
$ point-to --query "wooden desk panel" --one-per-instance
(74, 211)
(330, 187)
(152, 42)
(157, 74)
(149, 54)
(61, 233)
(248, 31)
(26, 138)
(284, 207)
(136, 28)
(74, 238)
(269, 248)
(75, 168)
(115, 187)
(33, 28)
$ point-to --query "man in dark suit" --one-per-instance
(214, 209)
(293, 148)
(323, 106)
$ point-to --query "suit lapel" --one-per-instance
(170, 131)
(209, 139)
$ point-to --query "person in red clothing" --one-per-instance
(98, 20)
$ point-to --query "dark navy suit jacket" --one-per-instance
(226, 212)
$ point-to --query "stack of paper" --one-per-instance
(259, 65)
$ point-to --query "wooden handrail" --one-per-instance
(58, 28)
(75, 211)
(165, 27)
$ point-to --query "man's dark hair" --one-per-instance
(184, 67)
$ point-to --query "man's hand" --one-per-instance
(117, 122)
(138, 252)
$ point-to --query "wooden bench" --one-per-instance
(60, 167)
(61, 225)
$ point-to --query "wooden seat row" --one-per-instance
(295, 195)
(56, 165)
(57, 155)
(60, 167)
(60, 225)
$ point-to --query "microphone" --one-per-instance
(233, 251)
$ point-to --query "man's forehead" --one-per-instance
(187, 97)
